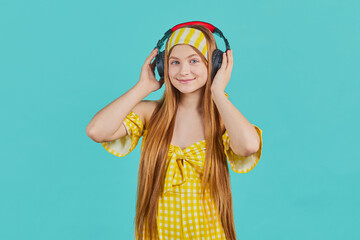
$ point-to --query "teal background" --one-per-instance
(295, 75)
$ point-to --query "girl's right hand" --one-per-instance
(147, 75)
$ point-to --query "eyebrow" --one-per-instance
(187, 57)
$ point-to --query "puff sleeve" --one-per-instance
(123, 146)
(241, 164)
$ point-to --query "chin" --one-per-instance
(185, 90)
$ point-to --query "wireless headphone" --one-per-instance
(217, 54)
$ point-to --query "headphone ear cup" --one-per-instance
(217, 58)
(160, 63)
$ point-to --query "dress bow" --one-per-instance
(181, 162)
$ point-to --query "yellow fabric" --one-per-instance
(123, 146)
(241, 164)
(182, 211)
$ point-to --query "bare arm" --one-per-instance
(107, 125)
(244, 139)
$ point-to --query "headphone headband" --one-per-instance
(209, 26)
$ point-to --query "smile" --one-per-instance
(185, 80)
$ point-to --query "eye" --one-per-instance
(178, 61)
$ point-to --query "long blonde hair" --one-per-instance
(155, 151)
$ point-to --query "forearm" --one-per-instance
(242, 134)
(109, 119)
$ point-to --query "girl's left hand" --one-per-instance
(223, 75)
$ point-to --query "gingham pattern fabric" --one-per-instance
(123, 146)
(189, 36)
(182, 211)
(241, 164)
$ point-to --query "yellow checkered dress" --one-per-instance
(182, 212)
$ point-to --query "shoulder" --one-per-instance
(145, 108)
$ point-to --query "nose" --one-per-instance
(184, 69)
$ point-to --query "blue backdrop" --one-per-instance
(295, 75)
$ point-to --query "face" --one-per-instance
(184, 64)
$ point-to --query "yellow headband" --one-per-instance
(189, 36)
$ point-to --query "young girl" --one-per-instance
(188, 135)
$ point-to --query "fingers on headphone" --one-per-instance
(229, 59)
(223, 62)
(150, 57)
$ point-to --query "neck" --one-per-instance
(191, 101)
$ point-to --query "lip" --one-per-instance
(185, 81)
